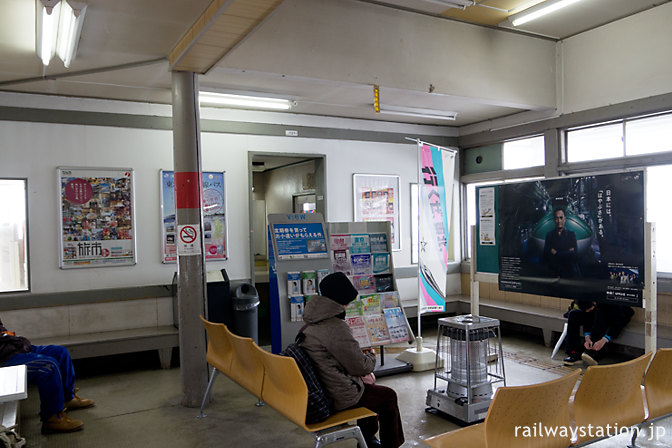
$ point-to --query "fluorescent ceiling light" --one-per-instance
(256, 102)
(418, 112)
(539, 10)
(58, 28)
(462, 4)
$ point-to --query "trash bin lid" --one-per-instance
(245, 297)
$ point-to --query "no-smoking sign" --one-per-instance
(188, 240)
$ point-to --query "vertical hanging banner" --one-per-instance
(437, 170)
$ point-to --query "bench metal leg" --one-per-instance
(560, 341)
(635, 433)
(206, 397)
(345, 432)
(165, 355)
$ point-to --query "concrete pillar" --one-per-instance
(190, 251)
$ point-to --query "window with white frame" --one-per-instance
(523, 153)
(624, 138)
(13, 236)
(629, 138)
(659, 212)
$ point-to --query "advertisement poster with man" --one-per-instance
(574, 237)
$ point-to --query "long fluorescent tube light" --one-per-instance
(58, 28)
(256, 102)
(462, 4)
(418, 112)
(69, 30)
(47, 17)
(538, 11)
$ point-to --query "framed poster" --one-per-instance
(97, 217)
(376, 198)
(214, 216)
(579, 237)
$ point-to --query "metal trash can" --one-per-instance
(245, 310)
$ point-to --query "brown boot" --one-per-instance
(78, 403)
(61, 423)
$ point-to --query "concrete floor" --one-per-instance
(138, 404)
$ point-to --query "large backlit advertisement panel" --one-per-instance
(574, 237)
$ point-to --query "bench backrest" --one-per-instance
(528, 407)
(246, 367)
(220, 352)
(284, 387)
(610, 395)
(658, 384)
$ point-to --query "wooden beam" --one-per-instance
(223, 26)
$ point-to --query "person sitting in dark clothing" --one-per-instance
(601, 323)
(50, 368)
(344, 368)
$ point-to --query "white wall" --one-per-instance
(35, 150)
(355, 42)
(622, 61)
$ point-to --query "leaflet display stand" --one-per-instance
(298, 245)
(361, 250)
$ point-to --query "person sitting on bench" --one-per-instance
(601, 322)
(50, 368)
(341, 363)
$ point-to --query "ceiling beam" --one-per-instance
(222, 26)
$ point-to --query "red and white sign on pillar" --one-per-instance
(188, 240)
(187, 196)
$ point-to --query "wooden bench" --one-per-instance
(551, 321)
(512, 411)
(162, 339)
(276, 381)
(609, 396)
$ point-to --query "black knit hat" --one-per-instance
(337, 287)
(585, 304)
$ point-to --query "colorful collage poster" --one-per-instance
(377, 199)
(97, 222)
(214, 216)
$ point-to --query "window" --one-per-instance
(13, 239)
(632, 137)
(658, 212)
(415, 218)
(523, 153)
(648, 135)
(595, 143)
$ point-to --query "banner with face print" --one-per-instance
(437, 167)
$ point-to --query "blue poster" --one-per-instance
(300, 240)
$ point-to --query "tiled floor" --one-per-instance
(138, 404)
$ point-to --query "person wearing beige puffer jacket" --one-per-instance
(341, 363)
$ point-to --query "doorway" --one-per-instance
(288, 183)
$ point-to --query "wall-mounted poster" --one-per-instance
(376, 198)
(97, 224)
(214, 216)
(574, 237)
(300, 240)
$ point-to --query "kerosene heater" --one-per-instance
(469, 362)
